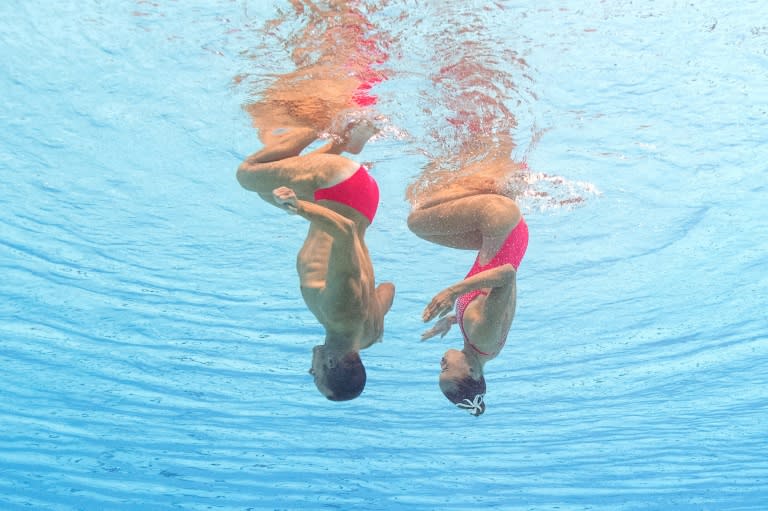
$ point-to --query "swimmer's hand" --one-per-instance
(442, 327)
(286, 199)
(440, 305)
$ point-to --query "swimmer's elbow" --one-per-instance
(508, 273)
(346, 226)
(343, 226)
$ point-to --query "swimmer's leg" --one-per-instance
(303, 174)
(282, 142)
(466, 222)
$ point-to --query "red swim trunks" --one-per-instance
(359, 191)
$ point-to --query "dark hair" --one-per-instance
(346, 379)
(464, 394)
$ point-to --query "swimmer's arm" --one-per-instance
(331, 222)
(495, 277)
(443, 302)
(279, 145)
(442, 327)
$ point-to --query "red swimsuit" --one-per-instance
(511, 252)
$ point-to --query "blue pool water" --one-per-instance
(153, 343)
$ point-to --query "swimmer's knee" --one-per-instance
(497, 214)
(244, 176)
(411, 221)
(415, 222)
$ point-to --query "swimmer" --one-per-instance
(472, 214)
(339, 199)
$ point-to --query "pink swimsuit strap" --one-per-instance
(511, 252)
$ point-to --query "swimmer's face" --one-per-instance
(320, 365)
(453, 366)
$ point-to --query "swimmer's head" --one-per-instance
(460, 383)
(337, 377)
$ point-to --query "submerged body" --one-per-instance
(473, 214)
(339, 198)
